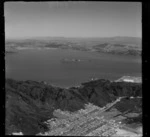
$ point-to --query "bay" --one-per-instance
(47, 65)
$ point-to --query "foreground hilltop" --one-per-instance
(29, 103)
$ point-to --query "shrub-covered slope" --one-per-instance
(30, 103)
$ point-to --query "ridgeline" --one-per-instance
(30, 103)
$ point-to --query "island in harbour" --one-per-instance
(67, 60)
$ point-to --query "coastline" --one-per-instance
(134, 79)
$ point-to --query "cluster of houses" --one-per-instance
(86, 122)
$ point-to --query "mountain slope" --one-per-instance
(30, 103)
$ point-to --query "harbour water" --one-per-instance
(46, 65)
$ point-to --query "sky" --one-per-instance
(72, 19)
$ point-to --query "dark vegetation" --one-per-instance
(30, 103)
(129, 105)
(137, 120)
(55, 45)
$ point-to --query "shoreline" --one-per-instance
(90, 80)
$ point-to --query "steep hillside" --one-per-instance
(30, 103)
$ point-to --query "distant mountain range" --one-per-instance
(114, 45)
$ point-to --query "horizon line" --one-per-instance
(31, 37)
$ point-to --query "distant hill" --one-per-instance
(127, 49)
(115, 45)
(121, 40)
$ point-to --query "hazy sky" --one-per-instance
(72, 19)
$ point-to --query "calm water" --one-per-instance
(46, 65)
